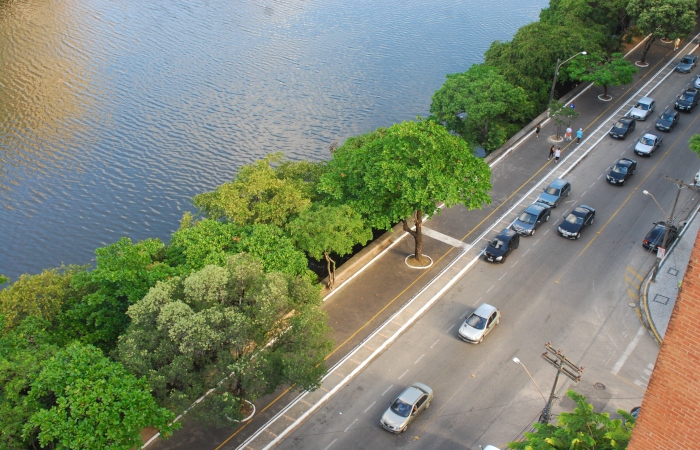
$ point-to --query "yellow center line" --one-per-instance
(440, 259)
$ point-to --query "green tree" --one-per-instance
(234, 329)
(322, 230)
(562, 115)
(581, 429)
(391, 174)
(23, 348)
(694, 143)
(662, 18)
(492, 107)
(602, 70)
(530, 58)
(123, 274)
(43, 295)
(261, 193)
(87, 401)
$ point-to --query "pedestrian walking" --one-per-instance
(567, 135)
(537, 130)
(579, 135)
(551, 153)
(572, 105)
(676, 44)
(557, 154)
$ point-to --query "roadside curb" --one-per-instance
(646, 315)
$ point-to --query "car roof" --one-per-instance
(484, 310)
(410, 395)
(626, 120)
(559, 183)
(625, 162)
(645, 100)
(669, 111)
(538, 207)
(506, 234)
(650, 136)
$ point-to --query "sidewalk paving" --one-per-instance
(389, 292)
(659, 297)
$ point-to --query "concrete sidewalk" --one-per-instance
(659, 297)
(384, 296)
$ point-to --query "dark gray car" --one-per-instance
(555, 193)
(686, 64)
(529, 220)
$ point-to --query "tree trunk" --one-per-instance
(558, 131)
(647, 46)
(331, 270)
(417, 235)
(605, 90)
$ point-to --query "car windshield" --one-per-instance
(571, 218)
(647, 141)
(527, 217)
(667, 117)
(686, 97)
(687, 60)
(642, 106)
(496, 243)
(477, 322)
(622, 125)
(401, 408)
(619, 169)
(552, 191)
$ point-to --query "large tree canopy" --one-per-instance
(251, 329)
(581, 429)
(262, 193)
(662, 18)
(602, 70)
(86, 401)
(493, 107)
(390, 174)
(608, 18)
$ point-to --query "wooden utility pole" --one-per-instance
(563, 365)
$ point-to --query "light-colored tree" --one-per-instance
(562, 114)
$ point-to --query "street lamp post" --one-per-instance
(556, 73)
(517, 361)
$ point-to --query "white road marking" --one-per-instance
(353, 423)
(464, 315)
(373, 403)
(515, 264)
(451, 327)
(434, 343)
(526, 252)
(421, 357)
(504, 274)
(628, 351)
(403, 374)
(599, 176)
(391, 386)
(443, 238)
(489, 289)
(584, 193)
(329, 445)
(591, 185)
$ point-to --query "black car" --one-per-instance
(621, 171)
(654, 238)
(667, 120)
(501, 246)
(686, 64)
(530, 219)
(576, 221)
(622, 128)
(687, 100)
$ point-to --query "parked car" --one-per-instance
(578, 219)
(622, 128)
(696, 83)
(686, 64)
(647, 144)
(501, 246)
(529, 220)
(687, 100)
(697, 178)
(643, 108)
(667, 120)
(655, 237)
(479, 323)
(621, 171)
(555, 193)
(402, 411)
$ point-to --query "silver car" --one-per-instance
(406, 407)
(696, 83)
(644, 107)
(479, 324)
(647, 144)
(555, 193)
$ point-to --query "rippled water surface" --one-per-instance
(113, 114)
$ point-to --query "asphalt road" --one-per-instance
(574, 294)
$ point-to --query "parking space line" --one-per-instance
(504, 274)
(515, 264)
(373, 403)
(419, 358)
(628, 351)
(434, 343)
(390, 386)
(489, 289)
(351, 424)
(451, 327)
(403, 374)
(526, 252)
(329, 445)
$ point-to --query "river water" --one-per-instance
(113, 114)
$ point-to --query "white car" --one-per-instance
(477, 326)
(644, 107)
(647, 144)
(406, 407)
